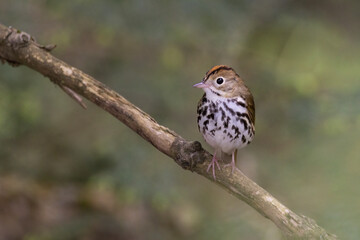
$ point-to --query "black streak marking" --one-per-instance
(216, 93)
(216, 107)
(212, 105)
(240, 104)
(222, 114)
(237, 132)
(205, 124)
(245, 115)
(204, 111)
(204, 100)
(211, 116)
(229, 109)
(234, 100)
(226, 123)
(205, 127)
(244, 123)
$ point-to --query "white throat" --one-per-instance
(210, 94)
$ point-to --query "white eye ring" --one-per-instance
(220, 80)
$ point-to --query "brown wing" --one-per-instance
(250, 106)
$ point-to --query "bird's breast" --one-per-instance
(225, 123)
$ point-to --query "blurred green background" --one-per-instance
(69, 173)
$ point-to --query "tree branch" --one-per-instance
(18, 48)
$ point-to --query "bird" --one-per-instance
(225, 114)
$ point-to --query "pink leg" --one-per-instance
(233, 161)
(233, 166)
(212, 164)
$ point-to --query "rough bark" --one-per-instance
(18, 48)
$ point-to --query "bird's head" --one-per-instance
(221, 81)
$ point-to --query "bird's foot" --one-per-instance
(232, 165)
(233, 160)
(212, 165)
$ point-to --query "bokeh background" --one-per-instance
(69, 173)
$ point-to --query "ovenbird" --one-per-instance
(226, 114)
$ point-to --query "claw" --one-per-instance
(212, 165)
(233, 160)
(233, 166)
(217, 164)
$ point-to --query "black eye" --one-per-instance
(219, 80)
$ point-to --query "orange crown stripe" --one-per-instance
(216, 69)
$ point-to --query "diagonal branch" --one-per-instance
(18, 48)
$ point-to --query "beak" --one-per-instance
(201, 85)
